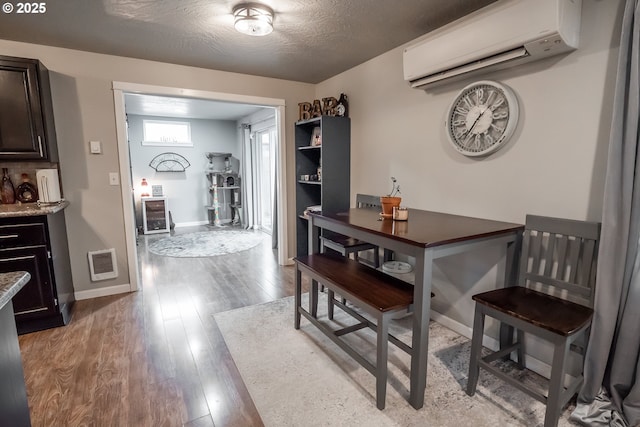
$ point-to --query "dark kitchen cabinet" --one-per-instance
(38, 245)
(27, 131)
(35, 300)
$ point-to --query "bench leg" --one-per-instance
(521, 350)
(343, 299)
(381, 359)
(313, 298)
(476, 349)
(330, 296)
(298, 298)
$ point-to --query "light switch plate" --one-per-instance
(96, 147)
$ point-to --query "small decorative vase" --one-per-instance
(8, 193)
(144, 185)
(26, 192)
(388, 202)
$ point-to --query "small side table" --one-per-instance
(155, 215)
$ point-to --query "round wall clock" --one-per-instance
(482, 118)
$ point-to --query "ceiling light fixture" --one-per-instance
(253, 19)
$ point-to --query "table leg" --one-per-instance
(510, 279)
(298, 298)
(421, 315)
(511, 270)
(313, 247)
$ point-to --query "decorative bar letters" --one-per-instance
(325, 107)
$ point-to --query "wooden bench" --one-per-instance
(374, 292)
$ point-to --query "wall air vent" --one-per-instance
(102, 264)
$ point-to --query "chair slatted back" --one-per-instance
(559, 257)
(367, 201)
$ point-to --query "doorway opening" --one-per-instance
(276, 160)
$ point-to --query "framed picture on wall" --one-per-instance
(156, 190)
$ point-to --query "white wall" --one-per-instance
(554, 165)
(186, 191)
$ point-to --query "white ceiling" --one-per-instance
(151, 105)
(312, 41)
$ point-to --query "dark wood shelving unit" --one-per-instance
(332, 190)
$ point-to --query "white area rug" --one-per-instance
(301, 378)
(206, 243)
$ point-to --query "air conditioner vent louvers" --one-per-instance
(473, 66)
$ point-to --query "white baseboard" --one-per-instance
(191, 223)
(531, 362)
(102, 292)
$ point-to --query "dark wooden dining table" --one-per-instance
(426, 236)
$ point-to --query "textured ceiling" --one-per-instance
(312, 40)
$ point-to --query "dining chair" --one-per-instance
(346, 245)
(552, 300)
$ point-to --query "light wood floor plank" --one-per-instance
(154, 357)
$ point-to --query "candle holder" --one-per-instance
(400, 213)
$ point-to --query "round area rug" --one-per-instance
(206, 243)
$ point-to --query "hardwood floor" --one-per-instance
(154, 357)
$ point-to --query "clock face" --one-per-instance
(482, 118)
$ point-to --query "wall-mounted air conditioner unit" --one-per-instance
(504, 33)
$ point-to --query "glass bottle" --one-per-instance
(343, 106)
(7, 193)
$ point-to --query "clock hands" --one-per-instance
(479, 117)
(469, 132)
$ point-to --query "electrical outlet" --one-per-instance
(114, 179)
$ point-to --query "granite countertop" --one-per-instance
(10, 284)
(30, 209)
